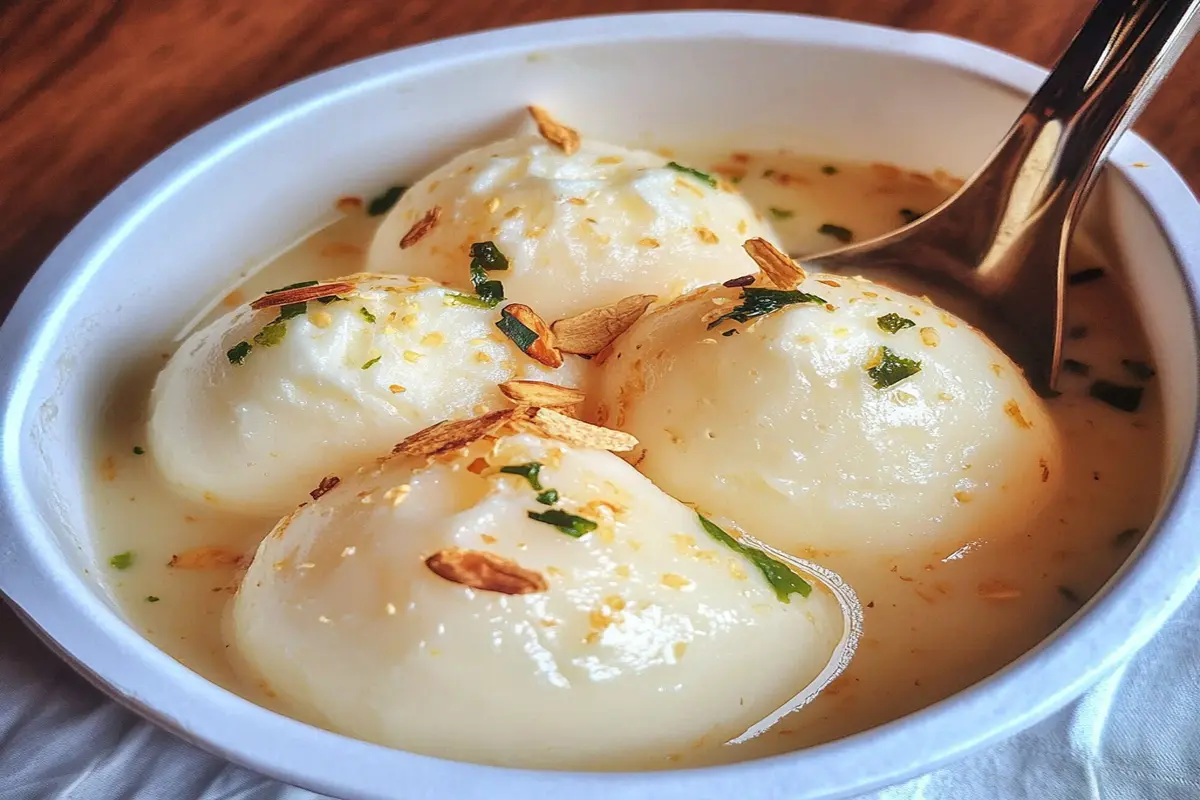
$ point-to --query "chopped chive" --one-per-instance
(695, 173)
(291, 310)
(138, 450)
(758, 302)
(460, 299)
(367, 315)
(1085, 276)
(781, 213)
(548, 497)
(570, 524)
(151, 598)
(122, 560)
(329, 298)
(1122, 398)
(893, 323)
(892, 369)
(486, 256)
(372, 362)
(271, 334)
(730, 332)
(782, 578)
(829, 169)
(527, 471)
(1076, 367)
(300, 285)
(237, 354)
(843, 235)
(1138, 369)
(514, 329)
(383, 203)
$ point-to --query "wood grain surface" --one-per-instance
(92, 89)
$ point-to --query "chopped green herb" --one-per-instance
(291, 310)
(758, 302)
(329, 298)
(486, 256)
(372, 362)
(383, 203)
(829, 169)
(1076, 367)
(730, 332)
(1085, 276)
(367, 315)
(300, 285)
(548, 497)
(695, 173)
(910, 216)
(237, 354)
(271, 334)
(1077, 332)
(471, 300)
(151, 598)
(139, 450)
(781, 213)
(783, 580)
(1069, 595)
(514, 329)
(122, 560)
(1123, 398)
(569, 524)
(527, 471)
(492, 292)
(1125, 537)
(736, 179)
(893, 322)
(843, 235)
(1138, 369)
(892, 369)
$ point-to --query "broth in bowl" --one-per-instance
(850, 423)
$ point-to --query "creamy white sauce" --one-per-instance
(935, 622)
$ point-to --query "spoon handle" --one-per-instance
(1105, 78)
(1013, 218)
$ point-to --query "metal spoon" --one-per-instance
(1004, 235)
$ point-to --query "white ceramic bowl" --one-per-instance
(241, 188)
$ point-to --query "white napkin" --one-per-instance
(1136, 735)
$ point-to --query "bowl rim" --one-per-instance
(98, 642)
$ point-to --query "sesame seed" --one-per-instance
(411, 356)
(962, 497)
(493, 204)
(322, 319)
(349, 551)
(707, 236)
(391, 609)
(434, 339)
(930, 337)
(396, 388)
(482, 357)
(306, 565)
(648, 242)
(675, 581)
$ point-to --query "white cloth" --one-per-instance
(1136, 735)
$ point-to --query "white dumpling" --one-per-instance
(578, 231)
(326, 390)
(638, 643)
(778, 422)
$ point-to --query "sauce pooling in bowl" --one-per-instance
(936, 618)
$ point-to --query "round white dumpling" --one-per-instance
(253, 410)
(578, 231)
(863, 420)
(420, 605)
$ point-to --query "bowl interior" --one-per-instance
(242, 189)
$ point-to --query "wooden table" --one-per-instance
(92, 89)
